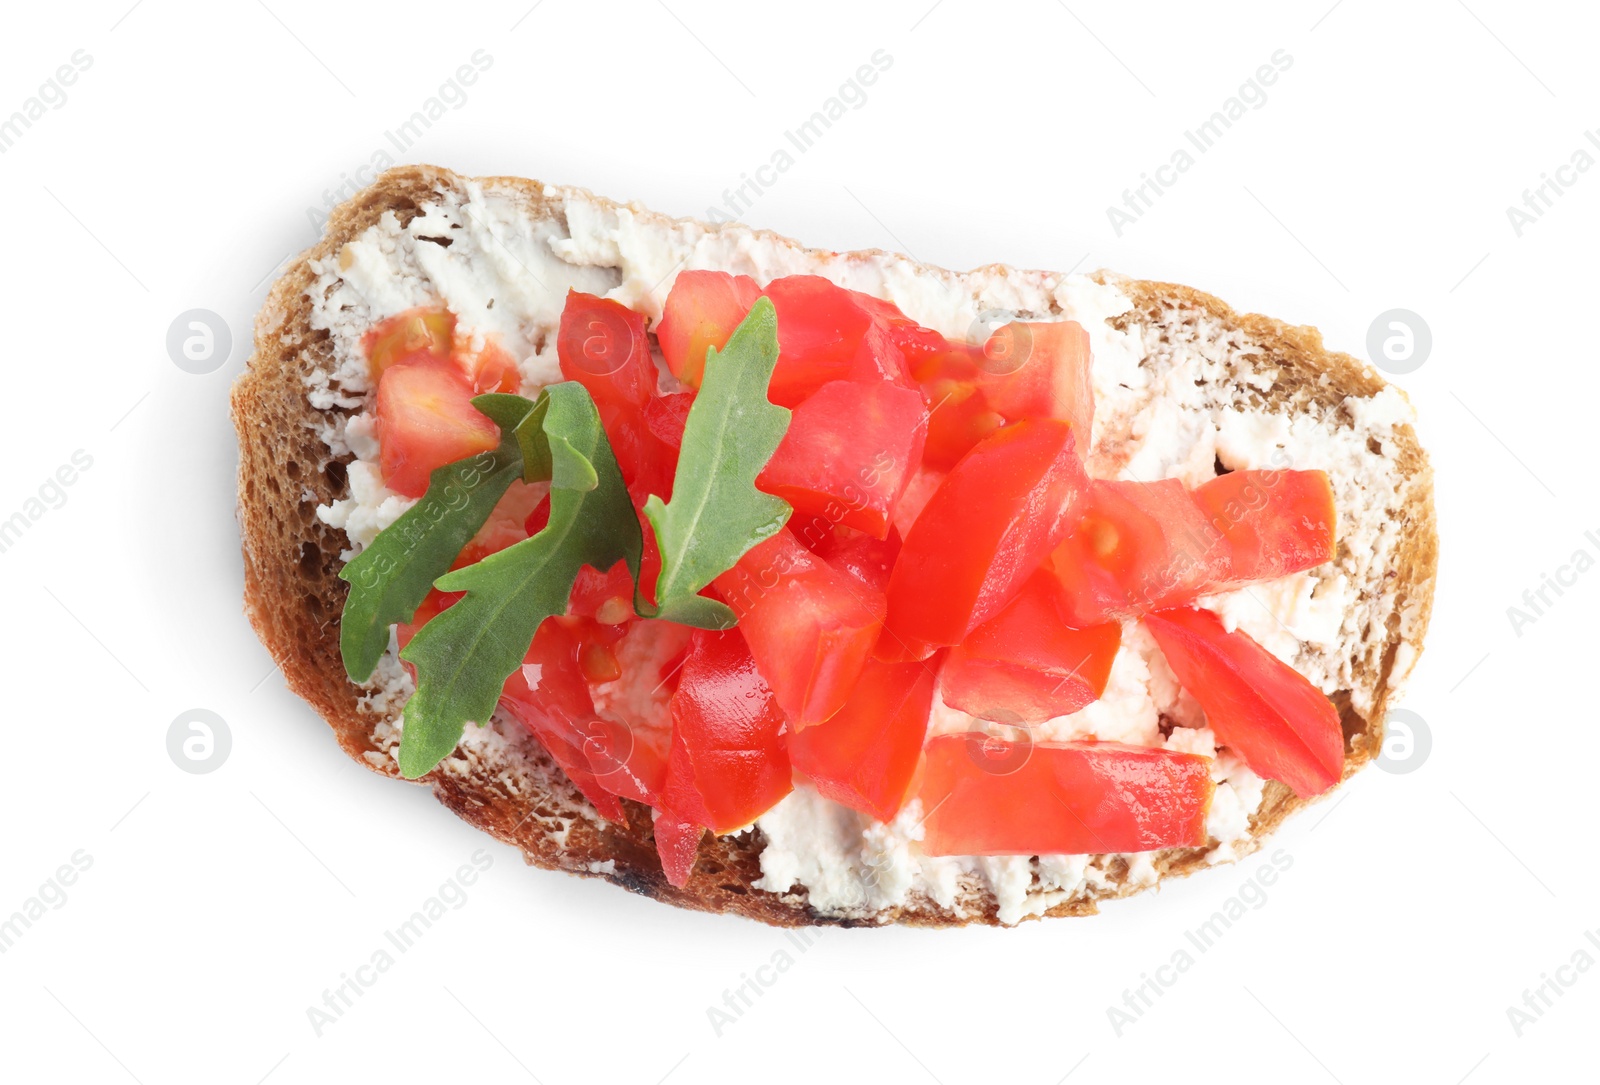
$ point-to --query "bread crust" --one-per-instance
(293, 597)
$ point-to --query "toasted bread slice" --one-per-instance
(500, 780)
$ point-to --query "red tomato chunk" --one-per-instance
(1069, 798)
(602, 345)
(1274, 522)
(550, 697)
(824, 334)
(422, 336)
(425, 420)
(1133, 547)
(1040, 370)
(702, 310)
(729, 762)
(866, 755)
(1264, 709)
(809, 626)
(1025, 665)
(986, 529)
(849, 451)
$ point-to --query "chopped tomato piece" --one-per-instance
(678, 845)
(820, 328)
(1025, 665)
(1260, 707)
(729, 761)
(809, 626)
(647, 655)
(667, 415)
(866, 755)
(647, 463)
(425, 335)
(959, 416)
(983, 533)
(550, 697)
(860, 555)
(1041, 370)
(602, 345)
(490, 369)
(1136, 547)
(606, 597)
(702, 310)
(848, 453)
(825, 335)
(425, 420)
(879, 358)
(913, 340)
(919, 491)
(1074, 798)
(539, 518)
(1274, 522)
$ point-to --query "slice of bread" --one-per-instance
(1191, 366)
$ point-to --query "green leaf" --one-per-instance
(716, 514)
(464, 655)
(389, 579)
(525, 421)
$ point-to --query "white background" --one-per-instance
(217, 908)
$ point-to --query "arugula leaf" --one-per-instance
(389, 579)
(716, 514)
(464, 655)
(524, 421)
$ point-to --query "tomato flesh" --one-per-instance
(677, 845)
(666, 416)
(919, 491)
(425, 335)
(988, 526)
(825, 335)
(425, 420)
(848, 453)
(959, 416)
(1041, 370)
(1135, 547)
(809, 626)
(913, 340)
(606, 597)
(490, 369)
(602, 345)
(1141, 546)
(549, 696)
(855, 553)
(1025, 665)
(1273, 522)
(1263, 709)
(702, 310)
(1071, 798)
(867, 753)
(729, 761)
(645, 656)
